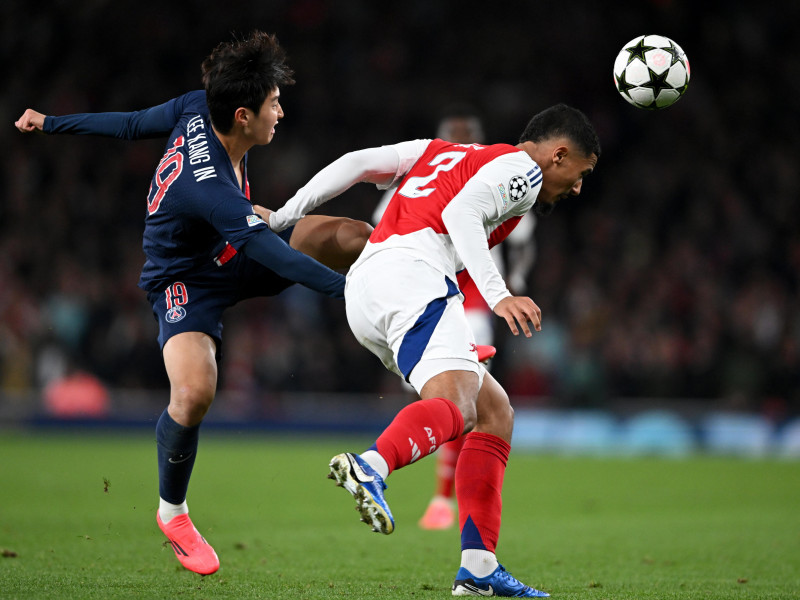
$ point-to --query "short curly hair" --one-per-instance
(563, 121)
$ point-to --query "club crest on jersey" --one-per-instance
(175, 314)
(253, 220)
(517, 188)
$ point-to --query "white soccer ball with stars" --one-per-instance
(651, 72)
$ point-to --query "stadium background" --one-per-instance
(671, 282)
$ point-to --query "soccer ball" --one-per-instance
(651, 72)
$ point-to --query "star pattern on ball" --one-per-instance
(657, 83)
(673, 50)
(623, 86)
(638, 50)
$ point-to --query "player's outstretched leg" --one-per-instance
(191, 548)
(365, 484)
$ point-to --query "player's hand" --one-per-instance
(30, 121)
(522, 310)
(262, 212)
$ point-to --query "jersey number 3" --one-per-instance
(413, 187)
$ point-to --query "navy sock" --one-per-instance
(177, 449)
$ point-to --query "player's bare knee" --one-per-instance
(352, 236)
(190, 403)
(495, 413)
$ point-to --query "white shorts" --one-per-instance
(410, 316)
(481, 322)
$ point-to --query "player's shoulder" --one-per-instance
(190, 104)
(411, 148)
(513, 160)
(512, 174)
(509, 154)
(194, 99)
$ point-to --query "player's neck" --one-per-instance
(235, 145)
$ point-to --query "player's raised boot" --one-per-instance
(194, 552)
(353, 474)
(440, 514)
(498, 583)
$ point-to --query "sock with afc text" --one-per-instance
(418, 430)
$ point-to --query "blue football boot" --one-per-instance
(499, 583)
(366, 485)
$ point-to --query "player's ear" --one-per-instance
(241, 116)
(560, 153)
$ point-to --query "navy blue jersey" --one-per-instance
(195, 205)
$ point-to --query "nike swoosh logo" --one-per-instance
(182, 459)
(359, 472)
(479, 591)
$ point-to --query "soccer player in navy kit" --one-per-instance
(206, 245)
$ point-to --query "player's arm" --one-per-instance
(30, 120)
(465, 217)
(232, 215)
(381, 166)
(150, 122)
(275, 254)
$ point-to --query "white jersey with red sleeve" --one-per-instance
(455, 202)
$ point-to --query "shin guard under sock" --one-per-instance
(177, 449)
(479, 483)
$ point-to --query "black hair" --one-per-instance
(243, 73)
(563, 121)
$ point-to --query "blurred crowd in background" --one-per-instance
(676, 273)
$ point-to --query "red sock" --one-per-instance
(446, 461)
(418, 430)
(479, 482)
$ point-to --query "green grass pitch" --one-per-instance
(77, 521)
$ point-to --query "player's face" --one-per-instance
(263, 124)
(565, 176)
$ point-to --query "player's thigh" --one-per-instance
(190, 361)
(445, 346)
(458, 385)
(495, 414)
(334, 241)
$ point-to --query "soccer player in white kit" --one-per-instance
(453, 203)
(461, 124)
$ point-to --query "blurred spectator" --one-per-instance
(76, 394)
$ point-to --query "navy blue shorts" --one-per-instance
(197, 301)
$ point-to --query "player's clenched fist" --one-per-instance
(30, 121)
(522, 310)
